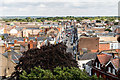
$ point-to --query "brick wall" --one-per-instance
(104, 46)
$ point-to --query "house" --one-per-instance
(85, 62)
(30, 31)
(8, 61)
(86, 21)
(13, 32)
(99, 25)
(104, 46)
(90, 43)
(117, 30)
(106, 66)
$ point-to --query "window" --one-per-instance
(109, 69)
(99, 65)
(83, 66)
(113, 71)
(111, 46)
(100, 76)
(95, 74)
(96, 64)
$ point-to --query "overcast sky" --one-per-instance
(58, 7)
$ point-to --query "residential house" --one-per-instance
(106, 66)
(8, 61)
(85, 62)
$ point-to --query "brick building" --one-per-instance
(90, 43)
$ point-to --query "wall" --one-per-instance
(90, 43)
(6, 66)
(2, 49)
(81, 62)
(104, 46)
(108, 38)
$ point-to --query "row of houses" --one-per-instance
(17, 38)
(98, 49)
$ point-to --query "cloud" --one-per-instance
(42, 5)
(14, 1)
(59, 7)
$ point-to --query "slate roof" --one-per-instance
(106, 34)
(14, 56)
(38, 38)
(33, 38)
(89, 63)
(32, 28)
(13, 38)
(19, 28)
(88, 56)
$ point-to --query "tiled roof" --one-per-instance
(104, 58)
(115, 62)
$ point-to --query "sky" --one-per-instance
(59, 7)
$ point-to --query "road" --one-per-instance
(70, 38)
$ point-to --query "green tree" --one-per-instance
(108, 30)
(28, 19)
(59, 73)
(2, 37)
(36, 74)
(116, 23)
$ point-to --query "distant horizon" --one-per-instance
(59, 16)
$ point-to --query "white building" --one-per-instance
(85, 62)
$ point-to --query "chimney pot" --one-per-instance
(31, 44)
(24, 39)
(15, 41)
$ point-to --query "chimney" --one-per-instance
(5, 31)
(2, 48)
(9, 54)
(24, 39)
(8, 61)
(36, 41)
(26, 44)
(17, 48)
(38, 35)
(35, 38)
(31, 44)
(15, 41)
(76, 57)
(85, 27)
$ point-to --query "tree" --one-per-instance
(37, 74)
(2, 37)
(98, 21)
(48, 57)
(28, 19)
(116, 23)
(108, 30)
(59, 73)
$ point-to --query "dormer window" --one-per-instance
(96, 64)
(109, 69)
(113, 71)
